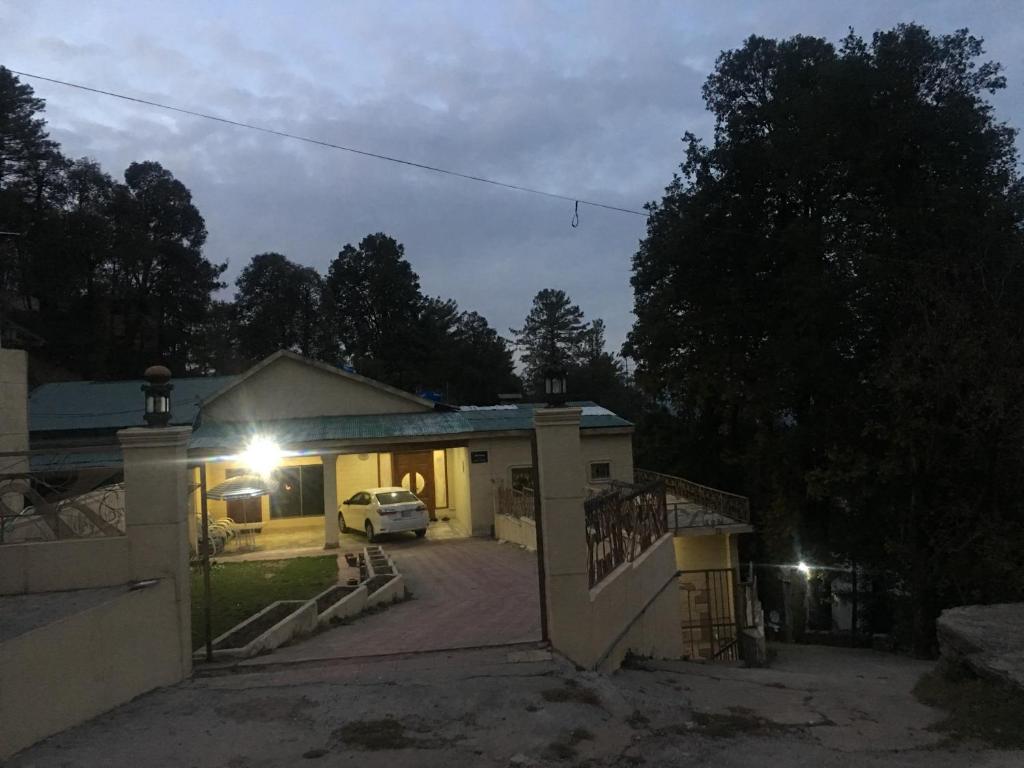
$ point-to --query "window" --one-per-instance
(395, 497)
(300, 492)
(521, 478)
(600, 471)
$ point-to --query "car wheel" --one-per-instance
(370, 535)
(421, 533)
(341, 523)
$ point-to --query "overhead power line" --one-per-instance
(332, 145)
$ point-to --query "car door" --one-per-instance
(371, 511)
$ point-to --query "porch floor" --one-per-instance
(296, 539)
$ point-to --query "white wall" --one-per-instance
(615, 449)
(458, 489)
(504, 453)
(63, 673)
(440, 481)
(357, 472)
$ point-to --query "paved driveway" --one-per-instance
(466, 593)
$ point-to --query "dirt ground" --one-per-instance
(520, 707)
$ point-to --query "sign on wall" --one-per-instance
(478, 457)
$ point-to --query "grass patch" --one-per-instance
(238, 590)
(977, 709)
(572, 693)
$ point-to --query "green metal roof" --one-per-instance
(497, 418)
(67, 462)
(69, 406)
(293, 432)
(63, 408)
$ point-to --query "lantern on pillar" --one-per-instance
(555, 386)
(158, 395)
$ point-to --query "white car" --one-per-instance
(384, 510)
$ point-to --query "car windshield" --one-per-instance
(395, 497)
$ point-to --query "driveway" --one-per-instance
(466, 593)
(496, 707)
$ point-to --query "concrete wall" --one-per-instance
(356, 472)
(459, 499)
(13, 419)
(13, 400)
(63, 673)
(309, 391)
(52, 566)
(635, 608)
(516, 530)
(505, 453)
(699, 553)
(617, 449)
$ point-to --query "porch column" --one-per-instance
(330, 461)
(561, 482)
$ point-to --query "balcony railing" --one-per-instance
(62, 501)
(621, 524)
(691, 505)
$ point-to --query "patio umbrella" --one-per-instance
(240, 487)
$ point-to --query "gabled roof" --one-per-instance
(67, 406)
(331, 369)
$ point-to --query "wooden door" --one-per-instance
(415, 471)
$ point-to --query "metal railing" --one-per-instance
(621, 524)
(710, 614)
(515, 502)
(59, 502)
(692, 505)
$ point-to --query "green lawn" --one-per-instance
(238, 590)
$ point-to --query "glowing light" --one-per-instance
(262, 456)
(804, 568)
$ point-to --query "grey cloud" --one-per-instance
(589, 103)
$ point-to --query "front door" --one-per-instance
(415, 471)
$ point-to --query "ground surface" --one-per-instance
(987, 638)
(499, 707)
(465, 593)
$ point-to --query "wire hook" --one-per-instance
(576, 216)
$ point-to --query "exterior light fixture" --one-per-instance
(804, 568)
(262, 455)
(158, 395)
(555, 386)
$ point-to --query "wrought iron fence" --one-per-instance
(692, 505)
(62, 500)
(621, 524)
(514, 502)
